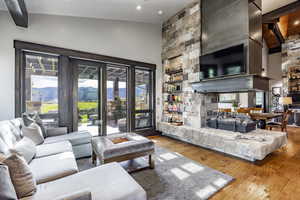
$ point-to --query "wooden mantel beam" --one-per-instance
(18, 11)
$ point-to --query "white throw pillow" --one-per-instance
(33, 132)
(26, 148)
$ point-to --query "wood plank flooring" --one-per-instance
(277, 177)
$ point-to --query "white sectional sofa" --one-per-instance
(56, 173)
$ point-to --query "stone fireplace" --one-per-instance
(204, 27)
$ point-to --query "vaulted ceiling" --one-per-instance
(270, 5)
(281, 23)
(121, 9)
(107, 9)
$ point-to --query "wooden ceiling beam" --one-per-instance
(274, 15)
(278, 33)
(18, 11)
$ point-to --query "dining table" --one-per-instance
(263, 117)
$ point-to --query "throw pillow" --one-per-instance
(21, 176)
(2, 157)
(26, 148)
(39, 122)
(27, 120)
(7, 190)
(34, 132)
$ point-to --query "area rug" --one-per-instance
(175, 177)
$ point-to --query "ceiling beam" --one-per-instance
(274, 15)
(18, 11)
(278, 33)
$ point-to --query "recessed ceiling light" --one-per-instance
(139, 7)
(297, 22)
(160, 12)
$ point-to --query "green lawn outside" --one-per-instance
(82, 106)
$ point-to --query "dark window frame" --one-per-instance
(23, 76)
(64, 57)
(151, 109)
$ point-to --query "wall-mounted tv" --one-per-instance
(226, 62)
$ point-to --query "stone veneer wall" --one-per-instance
(290, 57)
(181, 39)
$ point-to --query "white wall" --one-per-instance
(131, 40)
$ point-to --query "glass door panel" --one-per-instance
(116, 117)
(88, 98)
(143, 107)
(41, 87)
(142, 90)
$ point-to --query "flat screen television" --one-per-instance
(226, 62)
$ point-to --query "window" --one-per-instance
(143, 99)
(41, 87)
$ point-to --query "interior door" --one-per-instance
(87, 97)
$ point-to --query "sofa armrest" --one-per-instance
(78, 195)
(57, 131)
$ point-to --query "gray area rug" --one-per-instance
(175, 177)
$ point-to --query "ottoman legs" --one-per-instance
(151, 161)
(94, 158)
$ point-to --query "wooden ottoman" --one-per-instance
(121, 147)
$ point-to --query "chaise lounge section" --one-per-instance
(106, 182)
(56, 173)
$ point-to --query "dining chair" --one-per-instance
(282, 125)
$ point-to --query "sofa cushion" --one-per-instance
(26, 148)
(76, 138)
(77, 195)
(53, 167)
(4, 148)
(17, 125)
(53, 148)
(8, 135)
(34, 132)
(106, 182)
(21, 175)
(7, 190)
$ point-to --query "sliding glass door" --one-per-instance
(101, 105)
(116, 102)
(87, 96)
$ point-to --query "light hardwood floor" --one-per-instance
(276, 177)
